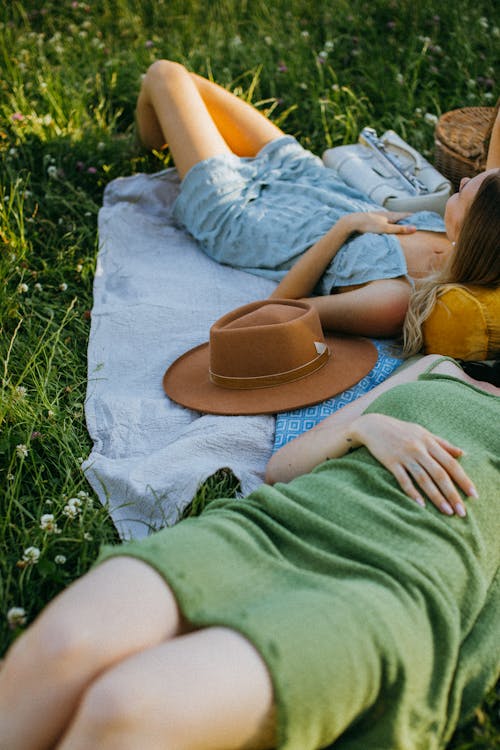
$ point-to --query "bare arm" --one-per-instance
(305, 274)
(493, 159)
(410, 452)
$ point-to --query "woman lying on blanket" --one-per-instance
(262, 214)
(357, 603)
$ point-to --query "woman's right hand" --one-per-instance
(378, 222)
(416, 456)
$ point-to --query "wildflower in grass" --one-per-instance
(49, 524)
(88, 537)
(149, 43)
(400, 78)
(22, 450)
(59, 559)
(17, 117)
(20, 392)
(38, 287)
(80, 166)
(79, 268)
(322, 56)
(73, 508)
(22, 288)
(430, 118)
(35, 435)
(10, 477)
(50, 413)
(63, 286)
(483, 22)
(31, 555)
(52, 171)
(282, 67)
(92, 170)
(16, 617)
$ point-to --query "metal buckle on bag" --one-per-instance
(369, 138)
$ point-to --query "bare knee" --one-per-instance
(116, 712)
(164, 71)
(52, 645)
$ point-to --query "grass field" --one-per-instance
(70, 73)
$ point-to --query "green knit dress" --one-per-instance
(379, 620)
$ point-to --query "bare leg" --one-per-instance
(198, 119)
(209, 690)
(375, 309)
(119, 608)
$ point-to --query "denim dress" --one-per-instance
(260, 214)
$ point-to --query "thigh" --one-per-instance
(209, 690)
(243, 127)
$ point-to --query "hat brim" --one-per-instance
(187, 381)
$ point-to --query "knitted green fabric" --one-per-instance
(378, 619)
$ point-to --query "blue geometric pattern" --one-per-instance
(291, 424)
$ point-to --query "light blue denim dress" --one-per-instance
(260, 214)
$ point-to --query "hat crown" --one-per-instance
(266, 339)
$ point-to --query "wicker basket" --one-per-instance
(461, 142)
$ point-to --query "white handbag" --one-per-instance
(390, 172)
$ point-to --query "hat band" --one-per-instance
(265, 381)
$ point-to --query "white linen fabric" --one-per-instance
(156, 294)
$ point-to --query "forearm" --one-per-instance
(305, 274)
(332, 437)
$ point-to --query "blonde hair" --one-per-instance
(476, 261)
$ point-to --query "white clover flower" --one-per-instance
(329, 45)
(483, 22)
(430, 118)
(22, 288)
(79, 268)
(10, 477)
(49, 524)
(488, 96)
(400, 78)
(12, 151)
(22, 450)
(305, 34)
(63, 286)
(59, 559)
(83, 495)
(72, 508)
(38, 287)
(20, 392)
(31, 555)
(88, 537)
(50, 413)
(52, 171)
(16, 617)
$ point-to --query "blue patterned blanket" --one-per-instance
(291, 424)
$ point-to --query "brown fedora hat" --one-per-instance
(266, 357)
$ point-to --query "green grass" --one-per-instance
(322, 69)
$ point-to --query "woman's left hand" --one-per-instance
(379, 222)
(416, 456)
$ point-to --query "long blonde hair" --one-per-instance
(476, 261)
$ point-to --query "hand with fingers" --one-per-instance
(379, 222)
(420, 461)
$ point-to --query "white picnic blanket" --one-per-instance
(155, 296)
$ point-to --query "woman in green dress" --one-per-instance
(353, 603)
